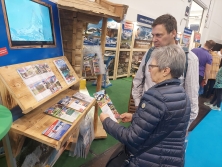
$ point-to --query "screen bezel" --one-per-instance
(30, 44)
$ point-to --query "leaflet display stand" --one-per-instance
(35, 121)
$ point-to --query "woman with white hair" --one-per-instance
(157, 132)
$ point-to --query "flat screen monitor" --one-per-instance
(29, 23)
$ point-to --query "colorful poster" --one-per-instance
(111, 33)
(197, 37)
(143, 37)
(40, 80)
(92, 34)
(64, 71)
(126, 36)
(186, 37)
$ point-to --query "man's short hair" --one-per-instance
(171, 56)
(210, 44)
(168, 21)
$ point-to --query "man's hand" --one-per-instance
(103, 116)
(205, 81)
(126, 117)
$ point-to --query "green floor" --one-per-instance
(119, 93)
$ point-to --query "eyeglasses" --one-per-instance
(152, 66)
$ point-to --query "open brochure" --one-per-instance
(69, 108)
(106, 105)
(56, 130)
(40, 80)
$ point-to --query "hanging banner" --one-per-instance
(126, 36)
(197, 37)
(186, 37)
(144, 19)
(143, 37)
(111, 33)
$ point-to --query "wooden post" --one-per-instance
(99, 77)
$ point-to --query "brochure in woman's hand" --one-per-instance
(106, 105)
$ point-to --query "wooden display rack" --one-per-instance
(35, 121)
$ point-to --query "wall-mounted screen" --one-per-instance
(29, 22)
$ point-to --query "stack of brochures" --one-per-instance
(69, 108)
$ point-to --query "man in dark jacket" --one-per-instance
(159, 125)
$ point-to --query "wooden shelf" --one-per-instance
(139, 50)
(19, 90)
(100, 133)
(124, 75)
(109, 48)
(128, 50)
(34, 123)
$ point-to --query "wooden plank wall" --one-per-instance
(72, 36)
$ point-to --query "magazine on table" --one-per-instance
(106, 105)
(56, 130)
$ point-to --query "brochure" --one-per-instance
(69, 108)
(106, 105)
(56, 130)
(84, 97)
(63, 112)
(64, 71)
(40, 80)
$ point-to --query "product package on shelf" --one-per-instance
(123, 63)
(92, 61)
(106, 105)
(136, 60)
(56, 130)
(85, 138)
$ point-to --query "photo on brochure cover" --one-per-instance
(143, 37)
(64, 71)
(106, 105)
(126, 36)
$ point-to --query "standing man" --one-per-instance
(164, 31)
(205, 61)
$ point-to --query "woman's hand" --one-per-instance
(103, 116)
(126, 117)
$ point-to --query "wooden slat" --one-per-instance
(20, 91)
(34, 123)
(100, 8)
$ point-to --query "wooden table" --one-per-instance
(35, 122)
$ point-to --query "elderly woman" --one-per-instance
(157, 132)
